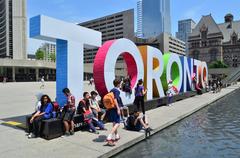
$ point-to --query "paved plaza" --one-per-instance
(18, 99)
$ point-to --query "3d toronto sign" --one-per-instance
(143, 62)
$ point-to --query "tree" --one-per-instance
(218, 64)
(39, 54)
(53, 57)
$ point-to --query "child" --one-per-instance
(114, 114)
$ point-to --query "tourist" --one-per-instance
(43, 113)
(95, 106)
(85, 109)
(114, 114)
(124, 111)
(4, 80)
(172, 90)
(42, 83)
(69, 111)
(219, 84)
(126, 86)
(196, 85)
(139, 96)
(91, 80)
(137, 121)
(206, 86)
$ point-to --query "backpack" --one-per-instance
(108, 101)
(55, 106)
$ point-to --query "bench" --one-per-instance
(53, 128)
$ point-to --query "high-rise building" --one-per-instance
(48, 49)
(153, 18)
(13, 29)
(139, 19)
(115, 26)
(13, 44)
(185, 28)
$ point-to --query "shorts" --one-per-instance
(138, 126)
(102, 111)
(113, 116)
(69, 114)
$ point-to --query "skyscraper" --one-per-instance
(13, 29)
(185, 27)
(153, 18)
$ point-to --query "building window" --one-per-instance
(234, 38)
(213, 54)
(204, 31)
(195, 54)
(204, 35)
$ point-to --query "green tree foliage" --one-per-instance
(53, 57)
(218, 64)
(39, 54)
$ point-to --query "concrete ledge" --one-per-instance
(172, 121)
(86, 144)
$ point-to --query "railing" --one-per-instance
(233, 77)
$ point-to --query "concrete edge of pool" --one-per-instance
(172, 115)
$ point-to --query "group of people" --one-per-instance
(94, 115)
(215, 86)
(135, 121)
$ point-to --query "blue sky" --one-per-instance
(82, 10)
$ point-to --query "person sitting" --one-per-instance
(137, 121)
(84, 108)
(95, 106)
(43, 113)
(69, 109)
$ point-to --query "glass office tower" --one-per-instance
(153, 18)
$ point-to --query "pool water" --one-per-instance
(213, 132)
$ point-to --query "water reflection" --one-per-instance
(212, 132)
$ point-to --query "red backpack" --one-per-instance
(55, 106)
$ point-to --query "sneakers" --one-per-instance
(148, 132)
(31, 135)
(110, 143)
(71, 132)
(96, 132)
(67, 134)
(110, 140)
(117, 137)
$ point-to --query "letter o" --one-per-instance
(105, 60)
